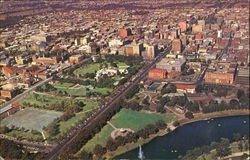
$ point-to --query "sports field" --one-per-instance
(126, 119)
(31, 119)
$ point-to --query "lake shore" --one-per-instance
(197, 117)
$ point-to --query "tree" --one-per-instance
(240, 93)
(236, 136)
(189, 115)
(99, 150)
(160, 108)
(85, 155)
(223, 149)
(4, 129)
(234, 103)
(52, 129)
(146, 100)
(193, 107)
(176, 123)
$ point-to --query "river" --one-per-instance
(196, 134)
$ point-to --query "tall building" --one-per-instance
(183, 38)
(176, 45)
(151, 51)
(183, 26)
(77, 41)
(125, 32)
(133, 50)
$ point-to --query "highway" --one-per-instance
(138, 77)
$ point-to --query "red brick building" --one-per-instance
(185, 88)
(183, 26)
(8, 72)
(8, 93)
(219, 78)
(220, 72)
(125, 32)
(157, 74)
(76, 58)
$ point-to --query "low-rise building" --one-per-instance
(221, 72)
(171, 64)
(157, 74)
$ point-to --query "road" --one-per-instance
(120, 94)
(25, 93)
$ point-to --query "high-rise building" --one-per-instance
(133, 49)
(151, 51)
(176, 46)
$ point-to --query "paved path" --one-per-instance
(111, 125)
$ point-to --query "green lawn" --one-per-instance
(90, 104)
(138, 120)
(64, 125)
(126, 119)
(90, 68)
(42, 100)
(93, 67)
(63, 85)
(103, 91)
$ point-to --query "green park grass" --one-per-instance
(93, 67)
(44, 99)
(65, 125)
(126, 119)
(103, 91)
(80, 90)
(21, 135)
(63, 85)
(40, 99)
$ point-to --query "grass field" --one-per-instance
(126, 119)
(63, 85)
(103, 91)
(31, 119)
(43, 99)
(80, 91)
(93, 67)
(65, 125)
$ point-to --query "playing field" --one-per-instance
(126, 119)
(31, 119)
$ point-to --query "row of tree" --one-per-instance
(234, 104)
(12, 150)
(132, 91)
(222, 148)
